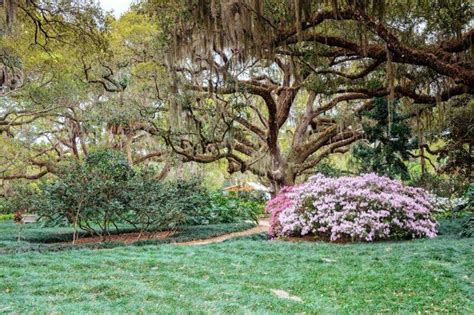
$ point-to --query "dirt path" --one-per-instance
(129, 238)
(126, 238)
(263, 225)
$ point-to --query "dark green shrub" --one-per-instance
(451, 227)
(468, 207)
(90, 195)
(461, 218)
(388, 147)
(254, 195)
(468, 227)
(443, 186)
(154, 204)
(103, 192)
(3, 206)
(227, 209)
(22, 199)
(328, 169)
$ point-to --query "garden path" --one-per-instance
(263, 225)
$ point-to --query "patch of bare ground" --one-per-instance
(126, 238)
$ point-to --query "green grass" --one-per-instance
(35, 237)
(434, 276)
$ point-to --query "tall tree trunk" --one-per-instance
(282, 177)
(83, 143)
(422, 161)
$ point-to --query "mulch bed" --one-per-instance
(126, 238)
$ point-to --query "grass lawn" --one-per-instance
(239, 276)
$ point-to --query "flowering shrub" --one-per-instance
(277, 205)
(365, 208)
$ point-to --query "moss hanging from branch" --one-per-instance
(9, 8)
(390, 88)
(248, 26)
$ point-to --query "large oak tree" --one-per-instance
(255, 62)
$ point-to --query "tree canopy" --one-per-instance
(270, 88)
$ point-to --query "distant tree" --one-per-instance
(454, 128)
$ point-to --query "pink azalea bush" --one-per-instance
(362, 208)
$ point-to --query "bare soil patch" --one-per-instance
(126, 238)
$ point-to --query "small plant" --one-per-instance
(9, 216)
(364, 208)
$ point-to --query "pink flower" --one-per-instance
(367, 208)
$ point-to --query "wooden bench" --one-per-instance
(29, 218)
